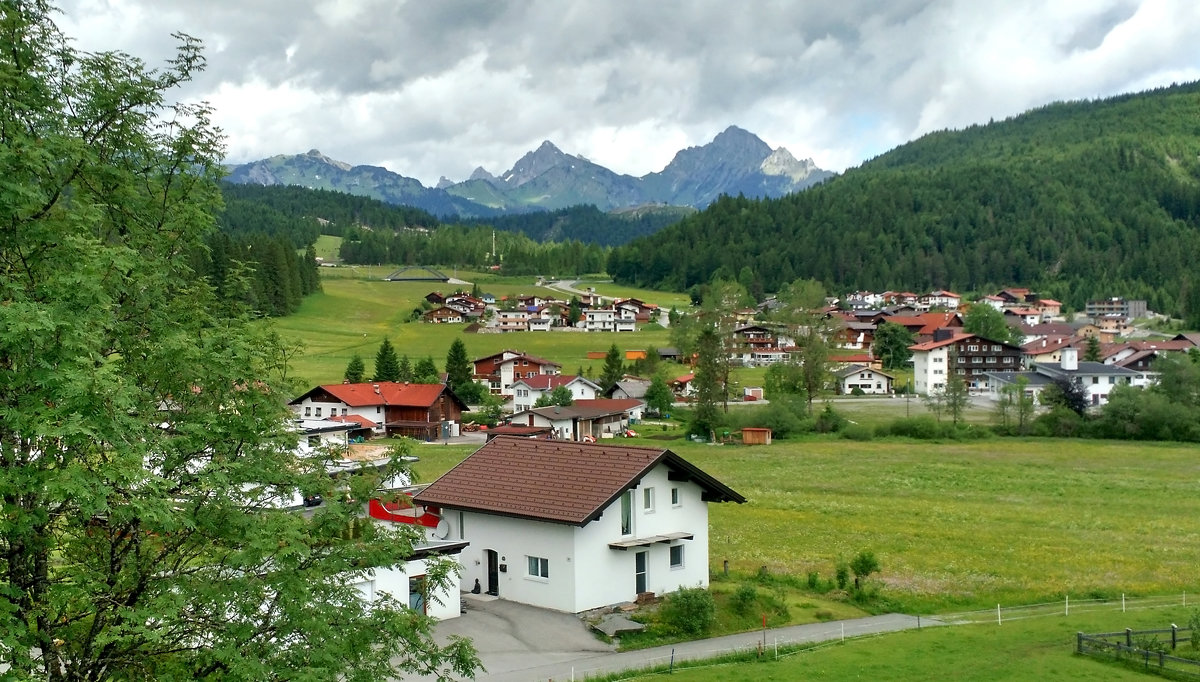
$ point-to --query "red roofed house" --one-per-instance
(499, 371)
(584, 420)
(415, 410)
(947, 300)
(573, 527)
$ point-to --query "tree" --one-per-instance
(145, 454)
(956, 397)
(355, 371)
(614, 368)
(705, 415)
(891, 345)
(985, 321)
(459, 369)
(387, 367)
(659, 396)
(1091, 352)
(863, 565)
(560, 396)
(814, 365)
(426, 372)
(406, 369)
(1066, 392)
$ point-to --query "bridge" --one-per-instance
(417, 273)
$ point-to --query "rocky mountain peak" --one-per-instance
(318, 156)
(535, 163)
(781, 162)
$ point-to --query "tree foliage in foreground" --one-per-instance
(144, 459)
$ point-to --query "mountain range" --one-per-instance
(735, 162)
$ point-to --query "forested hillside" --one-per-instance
(1079, 200)
(589, 224)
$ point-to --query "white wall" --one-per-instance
(395, 582)
(514, 540)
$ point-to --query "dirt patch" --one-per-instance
(367, 451)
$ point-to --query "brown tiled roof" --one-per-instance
(554, 480)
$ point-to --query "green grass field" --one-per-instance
(955, 525)
(356, 309)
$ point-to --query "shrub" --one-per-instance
(743, 598)
(690, 611)
(814, 580)
(823, 614)
(863, 565)
(843, 575)
(829, 421)
(857, 432)
(857, 391)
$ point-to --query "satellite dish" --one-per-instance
(442, 531)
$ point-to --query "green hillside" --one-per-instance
(1079, 200)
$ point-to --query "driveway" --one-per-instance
(519, 643)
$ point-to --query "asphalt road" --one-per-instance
(520, 643)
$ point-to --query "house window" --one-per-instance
(462, 526)
(378, 409)
(991, 360)
(1008, 360)
(972, 348)
(307, 411)
(344, 410)
(1112, 380)
(675, 499)
(627, 513)
(648, 499)
(318, 412)
(676, 556)
(976, 360)
(996, 348)
(1095, 380)
(539, 567)
(939, 359)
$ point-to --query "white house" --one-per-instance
(608, 320)
(868, 380)
(1097, 378)
(526, 392)
(585, 419)
(500, 370)
(574, 527)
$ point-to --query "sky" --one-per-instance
(432, 88)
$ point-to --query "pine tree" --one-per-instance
(406, 370)
(658, 396)
(614, 367)
(387, 367)
(355, 370)
(458, 365)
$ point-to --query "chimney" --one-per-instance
(1070, 359)
(376, 387)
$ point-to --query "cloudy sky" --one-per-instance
(428, 88)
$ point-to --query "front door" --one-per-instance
(416, 593)
(493, 572)
(639, 570)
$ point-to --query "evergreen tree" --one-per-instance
(426, 372)
(146, 459)
(355, 371)
(614, 368)
(387, 367)
(459, 368)
(706, 418)
(406, 370)
(1091, 352)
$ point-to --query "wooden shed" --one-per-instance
(756, 436)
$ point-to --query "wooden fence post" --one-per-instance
(1128, 636)
(1079, 642)
(1174, 635)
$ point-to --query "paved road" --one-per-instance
(519, 643)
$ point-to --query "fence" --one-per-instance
(1067, 606)
(1143, 646)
